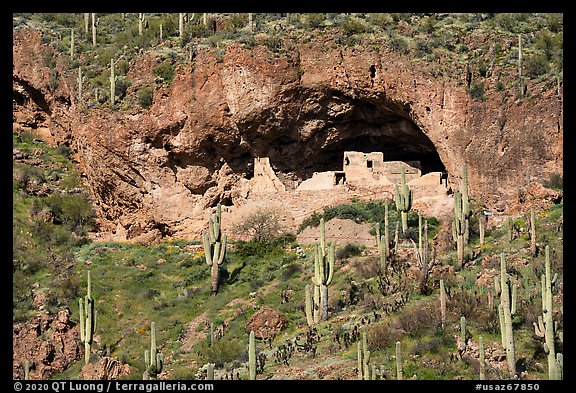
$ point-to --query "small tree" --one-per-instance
(261, 225)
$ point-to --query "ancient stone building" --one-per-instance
(367, 169)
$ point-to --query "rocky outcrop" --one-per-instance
(266, 323)
(158, 170)
(49, 343)
(106, 368)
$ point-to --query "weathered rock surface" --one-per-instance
(265, 323)
(49, 343)
(158, 170)
(106, 368)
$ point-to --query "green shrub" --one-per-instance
(554, 182)
(351, 26)
(145, 97)
(165, 71)
(476, 91)
(314, 20)
(64, 150)
(349, 250)
(73, 211)
(222, 351)
(536, 64)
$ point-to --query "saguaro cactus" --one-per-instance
(86, 22)
(88, 318)
(533, 250)
(112, 84)
(140, 23)
(252, 355)
(80, 81)
(462, 213)
(72, 43)
(93, 29)
(458, 227)
(442, 303)
(323, 269)
(364, 371)
(482, 227)
(312, 307)
(506, 318)
(403, 200)
(154, 359)
(399, 375)
(383, 241)
(27, 370)
(210, 371)
(466, 210)
(545, 327)
(482, 362)
(463, 330)
(214, 247)
(422, 252)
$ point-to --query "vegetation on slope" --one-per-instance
(481, 44)
(169, 283)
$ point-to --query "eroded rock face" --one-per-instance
(49, 343)
(161, 169)
(266, 323)
(106, 368)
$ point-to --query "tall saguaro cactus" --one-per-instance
(140, 23)
(458, 227)
(72, 43)
(80, 80)
(93, 29)
(399, 373)
(482, 361)
(364, 371)
(180, 25)
(403, 200)
(252, 355)
(312, 305)
(112, 84)
(383, 241)
(214, 247)
(506, 317)
(545, 327)
(442, 303)
(153, 358)
(462, 213)
(323, 269)
(533, 249)
(88, 318)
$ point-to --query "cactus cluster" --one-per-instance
(153, 359)
(462, 213)
(403, 200)
(383, 241)
(546, 328)
(364, 371)
(214, 247)
(505, 314)
(88, 317)
(422, 252)
(317, 306)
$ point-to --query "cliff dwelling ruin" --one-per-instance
(359, 169)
